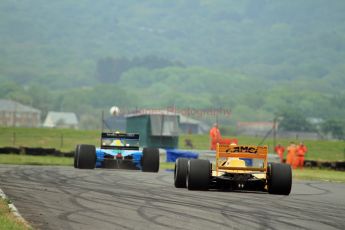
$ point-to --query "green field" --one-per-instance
(62, 139)
(67, 139)
(35, 160)
(319, 174)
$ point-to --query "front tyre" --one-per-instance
(150, 160)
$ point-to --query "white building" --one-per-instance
(18, 115)
(61, 120)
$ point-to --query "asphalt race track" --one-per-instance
(68, 198)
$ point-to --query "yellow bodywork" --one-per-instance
(229, 160)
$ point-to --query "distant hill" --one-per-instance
(257, 57)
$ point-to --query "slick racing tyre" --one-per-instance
(198, 174)
(279, 179)
(85, 157)
(150, 160)
(180, 172)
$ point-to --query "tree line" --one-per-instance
(256, 58)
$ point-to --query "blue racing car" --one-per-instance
(117, 151)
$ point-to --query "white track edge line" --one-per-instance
(13, 209)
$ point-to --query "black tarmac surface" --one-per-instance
(68, 198)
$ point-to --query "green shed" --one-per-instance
(155, 130)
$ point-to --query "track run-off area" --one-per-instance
(68, 198)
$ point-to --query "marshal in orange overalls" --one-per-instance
(291, 152)
(215, 136)
(279, 149)
(300, 153)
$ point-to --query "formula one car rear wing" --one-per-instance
(238, 153)
(121, 141)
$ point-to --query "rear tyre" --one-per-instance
(85, 157)
(150, 160)
(279, 179)
(198, 174)
(180, 172)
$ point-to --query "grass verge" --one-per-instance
(7, 220)
(319, 174)
(167, 165)
(35, 160)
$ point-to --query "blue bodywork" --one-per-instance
(134, 155)
(119, 150)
